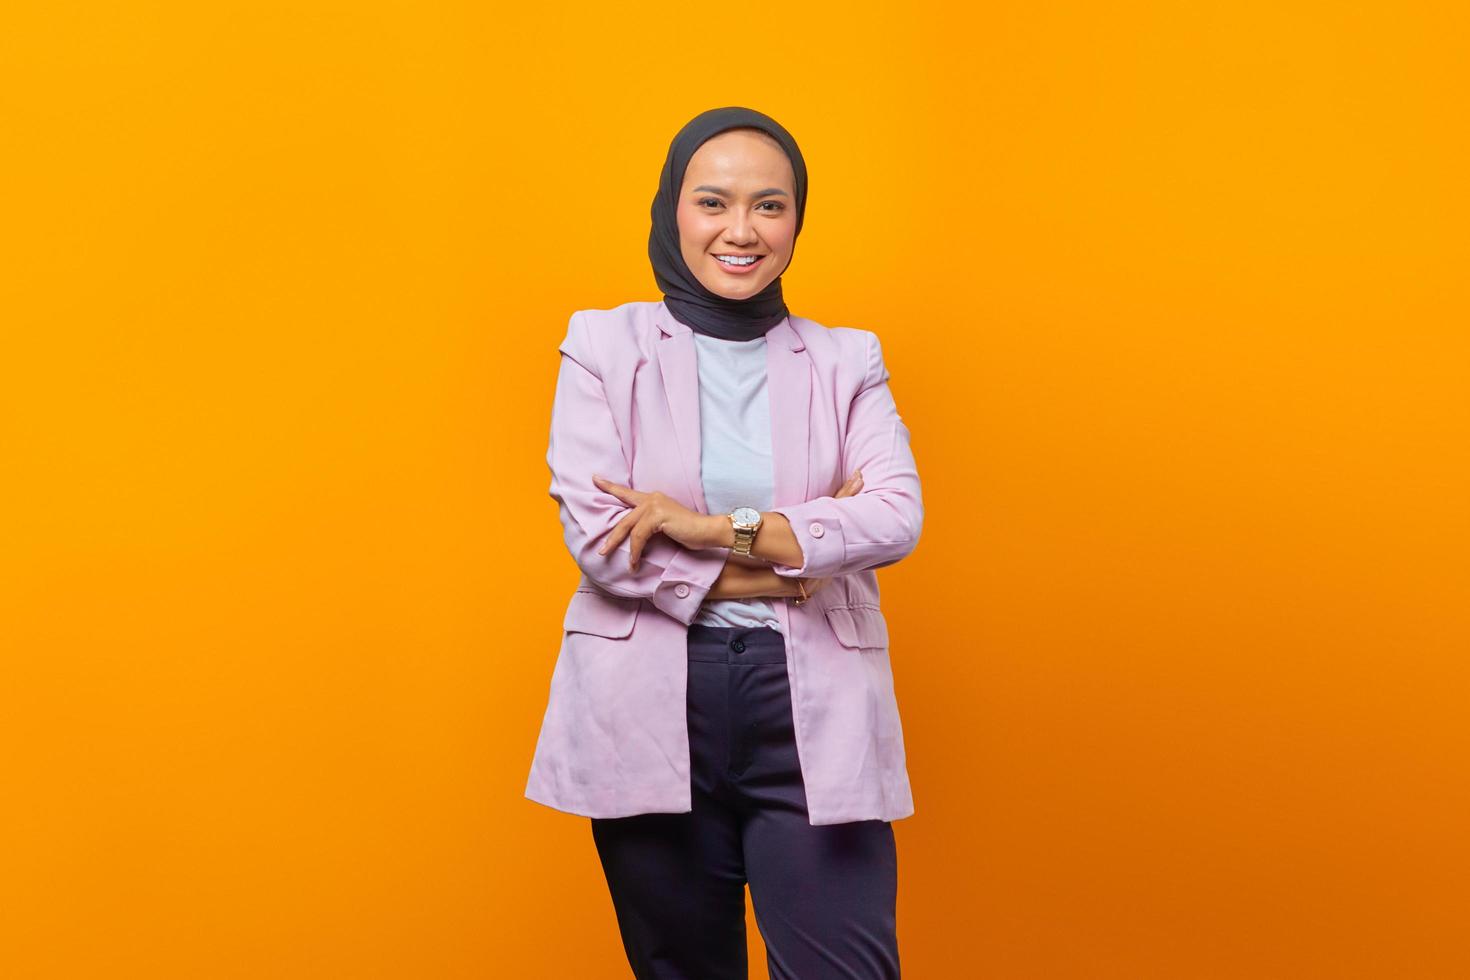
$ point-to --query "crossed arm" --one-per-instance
(740, 581)
(821, 538)
(775, 543)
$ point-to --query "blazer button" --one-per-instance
(816, 530)
(681, 590)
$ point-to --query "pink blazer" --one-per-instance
(614, 738)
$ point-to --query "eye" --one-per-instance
(708, 200)
(776, 206)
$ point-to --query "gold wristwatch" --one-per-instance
(747, 520)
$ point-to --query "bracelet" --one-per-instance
(801, 587)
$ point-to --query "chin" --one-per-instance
(741, 293)
(729, 290)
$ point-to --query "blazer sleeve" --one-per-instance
(881, 523)
(584, 440)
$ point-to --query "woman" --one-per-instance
(729, 477)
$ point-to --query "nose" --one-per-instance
(741, 230)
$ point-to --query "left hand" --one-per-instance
(655, 513)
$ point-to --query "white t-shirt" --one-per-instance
(735, 453)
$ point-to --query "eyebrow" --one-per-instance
(724, 193)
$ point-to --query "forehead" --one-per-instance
(736, 157)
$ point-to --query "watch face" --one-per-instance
(746, 515)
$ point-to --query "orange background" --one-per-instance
(1174, 300)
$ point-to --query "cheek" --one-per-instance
(781, 238)
(692, 231)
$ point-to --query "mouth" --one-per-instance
(739, 265)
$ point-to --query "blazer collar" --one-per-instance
(788, 385)
(782, 332)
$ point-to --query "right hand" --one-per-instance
(853, 485)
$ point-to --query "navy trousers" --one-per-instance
(824, 897)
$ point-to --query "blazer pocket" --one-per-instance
(859, 625)
(601, 614)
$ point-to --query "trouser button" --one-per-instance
(738, 646)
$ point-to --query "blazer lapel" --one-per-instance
(680, 371)
(788, 386)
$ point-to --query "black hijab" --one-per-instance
(686, 297)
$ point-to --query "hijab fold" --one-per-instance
(691, 303)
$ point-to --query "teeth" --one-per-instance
(737, 259)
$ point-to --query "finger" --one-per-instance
(637, 538)
(616, 489)
(615, 536)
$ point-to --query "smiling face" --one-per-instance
(737, 201)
